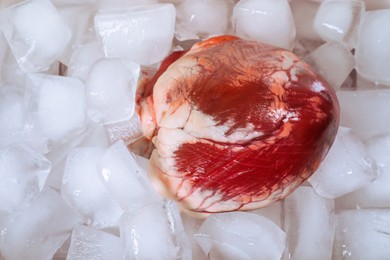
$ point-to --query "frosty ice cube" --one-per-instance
(36, 34)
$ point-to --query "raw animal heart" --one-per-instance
(236, 124)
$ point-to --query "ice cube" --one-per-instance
(252, 19)
(37, 231)
(333, 61)
(309, 225)
(35, 49)
(83, 57)
(58, 104)
(347, 167)
(142, 33)
(154, 232)
(23, 173)
(239, 235)
(372, 49)
(129, 131)
(365, 111)
(77, 18)
(124, 179)
(200, 19)
(111, 87)
(91, 243)
(339, 20)
(377, 194)
(83, 188)
(14, 123)
(362, 234)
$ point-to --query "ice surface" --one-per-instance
(120, 4)
(77, 18)
(62, 3)
(365, 111)
(339, 20)
(11, 73)
(83, 188)
(201, 19)
(252, 19)
(362, 234)
(26, 234)
(329, 56)
(347, 167)
(23, 173)
(58, 104)
(83, 57)
(304, 13)
(377, 193)
(124, 178)
(90, 243)
(129, 131)
(12, 117)
(273, 212)
(239, 235)
(191, 226)
(309, 225)
(155, 232)
(92, 136)
(37, 231)
(14, 124)
(142, 34)
(111, 86)
(372, 52)
(95, 136)
(3, 52)
(35, 50)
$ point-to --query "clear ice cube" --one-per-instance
(37, 231)
(372, 49)
(111, 86)
(57, 105)
(333, 61)
(155, 232)
(365, 111)
(124, 178)
(83, 188)
(142, 34)
(252, 19)
(91, 243)
(339, 20)
(240, 235)
(362, 234)
(35, 49)
(309, 225)
(347, 167)
(200, 19)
